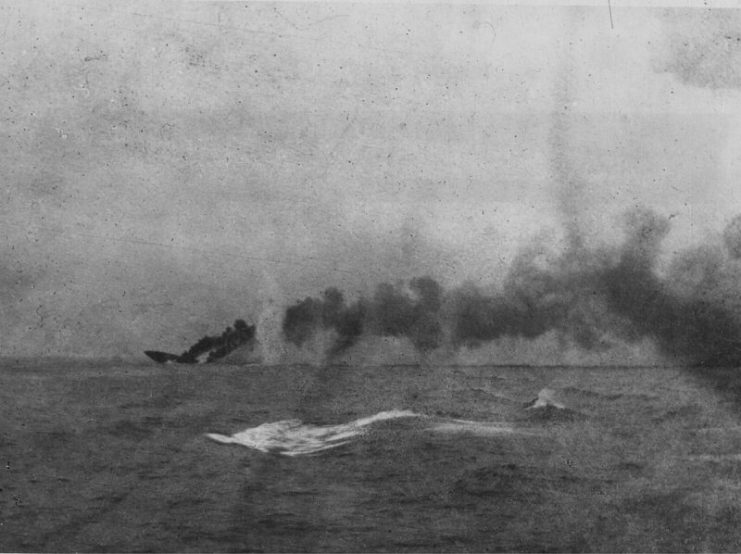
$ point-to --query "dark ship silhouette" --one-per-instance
(209, 349)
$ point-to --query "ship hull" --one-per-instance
(162, 357)
(209, 349)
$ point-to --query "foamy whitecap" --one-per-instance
(728, 457)
(480, 428)
(291, 437)
(546, 397)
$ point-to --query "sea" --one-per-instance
(112, 456)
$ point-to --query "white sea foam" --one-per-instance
(732, 457)
(480, 428)
(291, 437)
(545, 398)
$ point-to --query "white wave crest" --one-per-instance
(291, 437)
(479, 428)
(545, 398)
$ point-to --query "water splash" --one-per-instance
(268, 333)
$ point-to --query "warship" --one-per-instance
(209, 349)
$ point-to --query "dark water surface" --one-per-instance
(113, 457)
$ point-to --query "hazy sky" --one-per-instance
(169, 167)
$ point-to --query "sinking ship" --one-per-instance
(209, 349)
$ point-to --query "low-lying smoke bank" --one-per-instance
(593, 298)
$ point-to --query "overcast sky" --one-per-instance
(169, 167)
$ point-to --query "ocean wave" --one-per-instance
(545, 408)
(729, 457)
(291, 437)
(479, 428)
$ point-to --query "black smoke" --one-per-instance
(329, 312)
(590, 297)
(393, 311)
(413, 313)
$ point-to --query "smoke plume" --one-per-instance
(393, 311)
(593, 298)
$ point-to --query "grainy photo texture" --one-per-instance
(368, 277)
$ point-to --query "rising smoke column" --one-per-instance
(393, 311)
(590, 297)
(699, 328)
(329, 312)
(732, 237)
(561, 293)
(413, 314)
